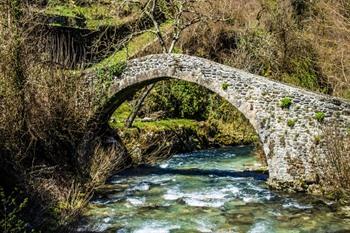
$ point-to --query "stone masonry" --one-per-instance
(290, 135)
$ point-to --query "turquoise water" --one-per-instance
(206, 191)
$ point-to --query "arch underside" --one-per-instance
(289, 150)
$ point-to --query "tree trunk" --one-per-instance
(138, 105)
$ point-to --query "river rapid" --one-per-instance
(206, 191)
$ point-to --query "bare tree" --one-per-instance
(182, 14)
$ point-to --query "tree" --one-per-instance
(182, 14)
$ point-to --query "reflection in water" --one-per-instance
(205, 191)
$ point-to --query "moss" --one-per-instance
(108, 72)
(96, 15)
(55, 24)
(177, 50)
(286, 102)
(161, 125)
(291, 122)
(133, 47)
(122, 111)
(320, 116)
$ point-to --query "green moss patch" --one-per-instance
(133, 47)
(319, 116)
(95, 15)
(286, 102)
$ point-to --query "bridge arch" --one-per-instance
(287, 131)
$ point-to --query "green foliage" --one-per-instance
(118, 68)
(302, 71)
(179, 99)
(319, 116)
(105, 79)
(220, 109)
(123, 111)
(291, 122)
(225, 86)
(286, 102)
(191, 101)
(110, 71)
(11, 212)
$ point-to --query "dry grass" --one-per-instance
(67, 195)
(149, 146)
(104, 163)
(329, 29)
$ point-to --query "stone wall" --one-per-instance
(290, 135)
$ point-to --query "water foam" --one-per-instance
(136, 201)
(156, 227)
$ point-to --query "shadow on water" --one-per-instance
(144, 170)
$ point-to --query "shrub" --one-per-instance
(319, 116)
(286, 102)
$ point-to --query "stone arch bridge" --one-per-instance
(290, 133)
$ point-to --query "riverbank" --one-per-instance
(152, 139)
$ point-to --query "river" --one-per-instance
(206, 191)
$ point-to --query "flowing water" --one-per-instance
(206, 191)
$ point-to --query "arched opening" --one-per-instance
(179, 116)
